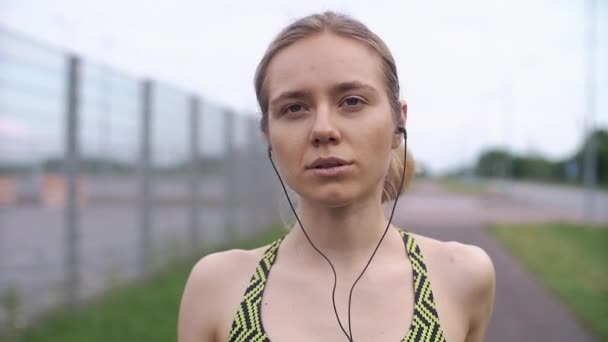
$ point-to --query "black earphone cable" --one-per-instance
(333, 294)
(400, 130)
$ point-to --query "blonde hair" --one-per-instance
(347, 27)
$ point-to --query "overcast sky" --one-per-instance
(475, 73)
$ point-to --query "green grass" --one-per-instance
(144, 311)
(570, 260)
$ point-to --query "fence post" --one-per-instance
(144, 194)
(240, 187)
(194, 179)
(72, 238)
(228, 171)
(253, 179)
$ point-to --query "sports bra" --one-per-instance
(425, 327)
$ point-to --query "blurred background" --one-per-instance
(129, 147)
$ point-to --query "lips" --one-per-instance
(327, 163)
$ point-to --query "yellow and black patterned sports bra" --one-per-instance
(247, 325)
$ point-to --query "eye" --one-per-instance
(353, 102)
(293, 108)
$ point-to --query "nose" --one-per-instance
(324, 131)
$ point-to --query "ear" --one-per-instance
(266, 138)
(398, 138)
(265, 135)
(267, 141)
(404, 111)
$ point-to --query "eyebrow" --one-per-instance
(336, 89)
(290, 94)
(352, 85)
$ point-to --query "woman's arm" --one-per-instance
(197, 317)
(481, 295)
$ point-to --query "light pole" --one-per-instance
(590, 158)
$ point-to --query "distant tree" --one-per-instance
(498, 163)
(601, 146)
(493, 163)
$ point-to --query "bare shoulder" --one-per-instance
(216, 267)
(469, 264)
(466, 277)
(214, 286)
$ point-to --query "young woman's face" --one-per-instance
(327, 99)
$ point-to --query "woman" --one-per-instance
(329, 96)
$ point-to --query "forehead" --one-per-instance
(322, 61)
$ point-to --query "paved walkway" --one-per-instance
(524, 309)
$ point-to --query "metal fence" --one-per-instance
(105, 178)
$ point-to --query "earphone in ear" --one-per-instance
(401, 130)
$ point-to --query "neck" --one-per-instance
(345, 234)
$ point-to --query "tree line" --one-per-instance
(501, 163)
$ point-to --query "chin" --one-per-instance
(333, 197)
(334, 202)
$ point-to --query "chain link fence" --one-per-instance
(105, 178)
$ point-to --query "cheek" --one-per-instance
(285, 151)
(376, 147)
(377, 132)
